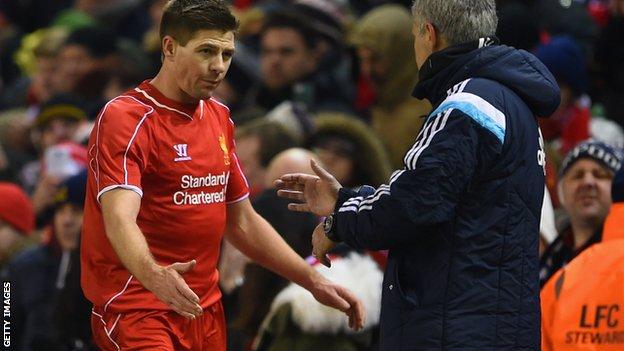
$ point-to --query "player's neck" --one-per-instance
(166, 85)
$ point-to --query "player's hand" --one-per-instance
(321, 245)
(169, 286)
(340, 298)
(318, 194)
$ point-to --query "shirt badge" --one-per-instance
(226, 154)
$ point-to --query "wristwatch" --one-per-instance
(330, 228)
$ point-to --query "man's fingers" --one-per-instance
(187, 298)
(338, 302)
(290, 194)
(351, 318)
(320, 171)
(356, 320)
(180, 311)
(356, 309)
(296, 178)
(322, 258)
(184, 289)
(279, 184)
(299, 207)
(187, 306)
(183, 267)
(325, 261)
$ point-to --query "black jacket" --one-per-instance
(461, 220)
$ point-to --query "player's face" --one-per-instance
(202, 63)
(587, 191)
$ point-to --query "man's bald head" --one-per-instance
(295, 160)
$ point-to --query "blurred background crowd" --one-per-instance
(311, 79)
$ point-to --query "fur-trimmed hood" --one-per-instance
(372, 162)
(357, 272)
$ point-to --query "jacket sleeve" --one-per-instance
(438, 169)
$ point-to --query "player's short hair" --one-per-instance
(181, 19)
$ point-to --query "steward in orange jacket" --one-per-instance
(583, 303)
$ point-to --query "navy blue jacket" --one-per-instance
(461, 220)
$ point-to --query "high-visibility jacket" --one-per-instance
(583, 303)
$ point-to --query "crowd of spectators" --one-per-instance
(329, 80)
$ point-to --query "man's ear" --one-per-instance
(436, 41)
(169, 47)
(431, 36)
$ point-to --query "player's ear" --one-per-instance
(169, 47)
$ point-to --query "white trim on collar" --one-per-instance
(149, 97)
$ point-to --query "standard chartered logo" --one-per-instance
(190, 182)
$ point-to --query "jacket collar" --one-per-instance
(443, 69)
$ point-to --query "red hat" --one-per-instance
(16, 208)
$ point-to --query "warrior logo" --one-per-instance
(182, 151)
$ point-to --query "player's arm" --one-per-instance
(120, 208)
(257, 239)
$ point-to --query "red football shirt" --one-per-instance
(181, 160)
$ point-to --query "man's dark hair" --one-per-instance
(181, 19)
(98, 41)
(292, 20)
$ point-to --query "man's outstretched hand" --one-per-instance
(317, 194)
(340, 298)
(169, 287)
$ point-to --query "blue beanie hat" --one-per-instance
(564, 59)
(72, 190)
(596, 150)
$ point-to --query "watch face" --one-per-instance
(328, 223)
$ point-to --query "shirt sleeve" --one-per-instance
(120, 148)
(238, 188)
(439, 168)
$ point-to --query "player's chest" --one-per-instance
(196, 149)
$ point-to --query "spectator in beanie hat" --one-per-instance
(58, 120)
(57, 126)
(584, 190)
(17, 221)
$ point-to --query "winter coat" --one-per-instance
(371, 162)
(461, 220)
